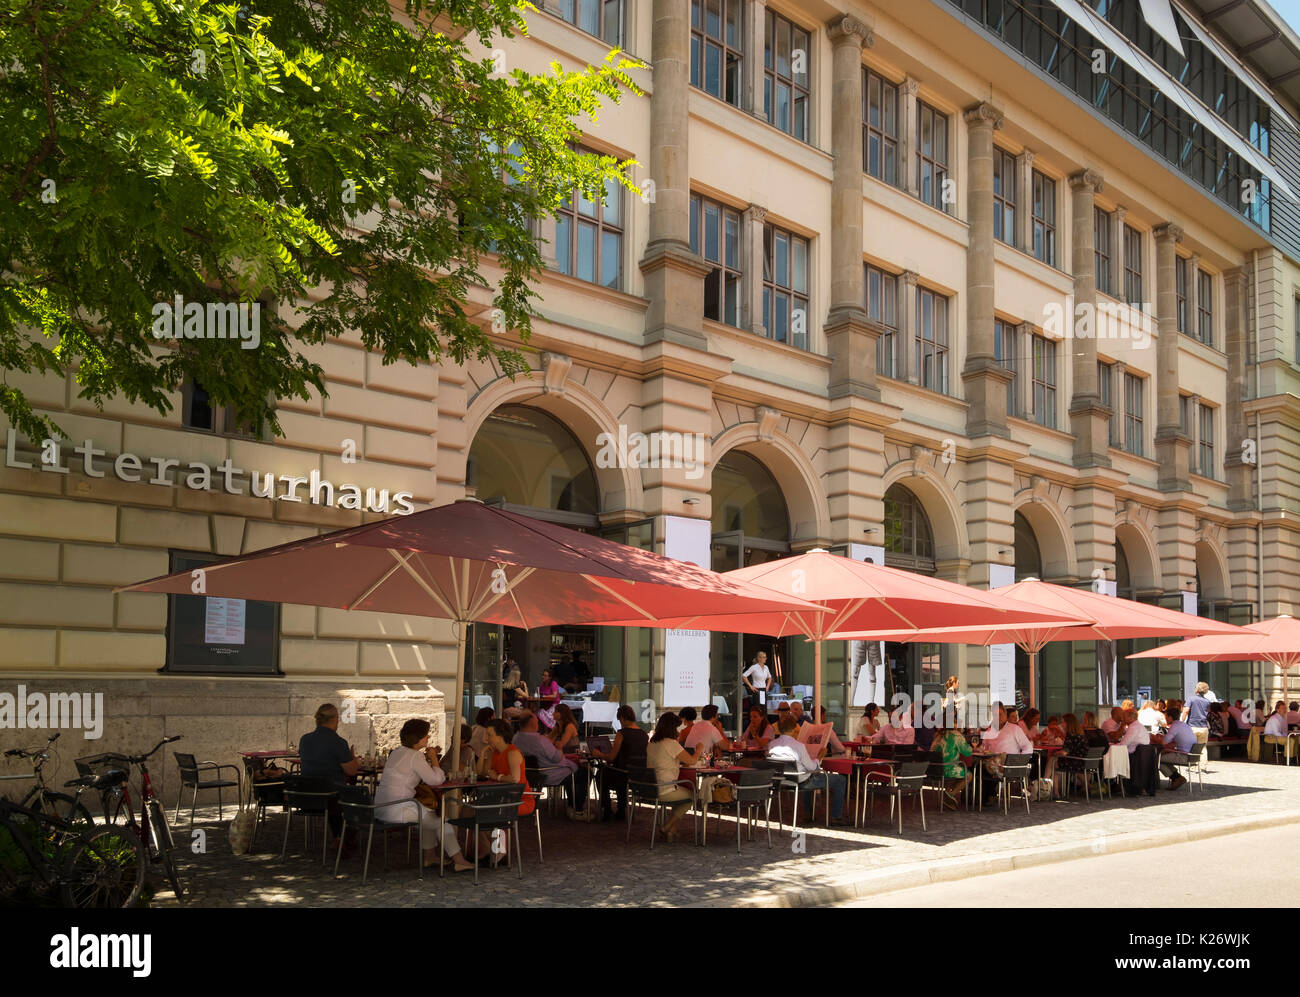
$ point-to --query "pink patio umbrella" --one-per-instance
(472, 563)
(862, 596)
(1110, 618)
(1276, 641)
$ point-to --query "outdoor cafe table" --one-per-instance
(857, 770)
(728, 772)
(260, 757)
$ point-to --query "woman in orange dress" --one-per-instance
(502, 762)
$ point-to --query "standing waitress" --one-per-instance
(758, 680)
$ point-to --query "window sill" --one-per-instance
(1013, 256)
(904, 204)
(745, 336)
(623, 298)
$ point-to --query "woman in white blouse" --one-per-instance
(406, 768)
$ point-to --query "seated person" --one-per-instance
(1114, 726)
(548, 690)
(951, 748)
(1219, 720)
(1093, 734)
(1150, 717)
(836, 746)
(406, 768)
(868, 725)
(796, 711)
(1260, 715)
(686, 716)
(1133, 733)
(707, 732)
(1030, 723)
(786, 747)
(501, 762)
(1053, 735)
(1293, 715)
(1001, 738)
(565, 733)
(759, 732)
(898, 731)
(512, 687)
(666, 756)
(555, 768)
(925, 734)
(1076, 748)
(324, 755)
(1240, 726)
(627, 752)
(478, 736)
(1178, 736)
(1276, 725)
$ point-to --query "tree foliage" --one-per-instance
(348, 161)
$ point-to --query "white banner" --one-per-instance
(686, 652)
(1191, 669)
(1002, 657)
(866, 658)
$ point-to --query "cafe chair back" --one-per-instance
(309, 798)
(192, 777)
(359, 813)
(1017, 769)
(752, 792)
(495, 807)
(643, 790)
(908, 779)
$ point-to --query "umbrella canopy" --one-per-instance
(859, 596)
(1111, 619)
(1276, 641)
(473, 563)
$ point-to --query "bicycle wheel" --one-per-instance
(163, 847)
(66, 807)
(106, 869)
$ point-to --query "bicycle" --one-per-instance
(88, 866)
(40, 797)
(151, 827)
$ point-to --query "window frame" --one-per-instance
(932, 348)
(700, 40)
(772, 289)
(1101, 257)
(224, 420)
(1004, 203)
(1133, 284)
(1205, 457)
(940, 168)
(577, 219)
(1042, 396)
(1205, 306)
(887, 343)
(1134, 414)
(698, 208)
(773, 78)
(889, 144)
(1106, 395)
(1041, 223)
(189, 560)
(602, 18)
(1181, 266)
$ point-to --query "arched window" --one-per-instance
(747, 499)
(1029, 559)
(524, 457)
(909, 541)
(1123, 580)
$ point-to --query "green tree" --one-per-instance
(346, 160)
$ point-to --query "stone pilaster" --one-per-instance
(1236, 431)
(850, 338)
(1194, 431)
(1173, 445)
(1024, 234)
(674, 276)
(1088, 417)
(755, 31)
(984, 378)
(1117, 218)
(1023, 344)
(1176, 544)
(905, 352)
(751, 238)
(909, 134)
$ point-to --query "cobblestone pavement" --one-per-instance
(589, 864)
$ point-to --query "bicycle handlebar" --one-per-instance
(137, 759)
(33, 752)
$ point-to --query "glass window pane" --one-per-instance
(781, 318)
(712, 226)
(612, 210)
(696, 69)
(768, 40)
(586, 251)
(783, 106)
(800, 45)
(732, 301)
(781, 259)
(590, 21)
(614, 22)
(611, 252)
(799, 123)
(783, 47)
(800, 266)
(696, 9)
(873, 295)
(713, 18)
(695, 224)
(586, 205)
(733, 23)
(713, 69)
(873, 101)
(767, 311)
(564, 243)
(890, 291)
(733, 239)
(889, 98)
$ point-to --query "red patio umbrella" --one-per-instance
(472, 563)
(1111, 619)
(1276, 641)
(859, 595)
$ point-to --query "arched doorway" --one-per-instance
(909, 545)
(528, 461)
(1053, 687)
(751, 525)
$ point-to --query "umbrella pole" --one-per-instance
(458, 720)
(1033, 678)
(817, 682)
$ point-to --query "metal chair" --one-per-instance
(536, 773)
(1021, 768)
(191, 776)
(1090, 764)
(359, 812)
(496, 807)
(753, 791)
(786, 779)
(934, 778)
(907, 779)
(1183, 760)
(308, 797)
(643, 788)
(267, 793)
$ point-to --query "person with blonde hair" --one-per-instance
(1150, 717)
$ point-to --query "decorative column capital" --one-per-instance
(846, 29)
(1027, 157)
(1090, 180)
(755, 213)
(911, 86)
(1169, 230)
(1119, 214)
(983, 114)
(910, 277)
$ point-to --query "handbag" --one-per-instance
(724, 791)
(426, 796)
(241, 830)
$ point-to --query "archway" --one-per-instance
(910, 545)
(1052, 536)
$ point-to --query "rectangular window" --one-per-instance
(1185, 414)
(932, 340)
(602, 18)
(879, 127)
(882, 307)
(715, 235)
(199, 412)
(1106, 391)
(1205, 307)
(1004, 351)
(1180, 290)
(589, 237)
(1132, 266)
(786, 51)
(932, 156)
(716, 47)
(1044, 385)
(1044, 219)
(1133, 437)
(1004, 196)
(785, 286)
(1101, 249)
(1207, 465)
(211, 636)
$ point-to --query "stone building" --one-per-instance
(979, 287)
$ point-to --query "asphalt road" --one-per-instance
(1242, 865)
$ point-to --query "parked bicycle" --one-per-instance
(42, 854)
(151, 826)
(40, 797)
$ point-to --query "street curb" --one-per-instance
(906, 877)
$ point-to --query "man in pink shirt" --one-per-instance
(1134, 733)
(897, 731)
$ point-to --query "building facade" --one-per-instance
(950, 283)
